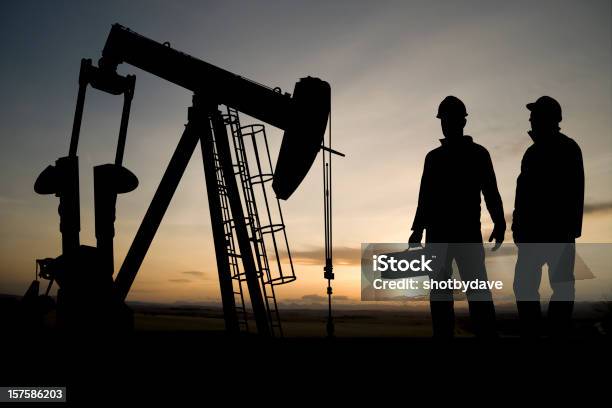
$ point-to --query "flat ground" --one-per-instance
(590, 320)
(182, 351)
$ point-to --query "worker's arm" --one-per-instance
(578, 184)
(420, 218)
(520, 198)
(493, 201)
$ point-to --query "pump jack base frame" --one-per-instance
(206, 125)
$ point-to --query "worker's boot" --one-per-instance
(443, 319)
(482, 314)
(530, 316)
(560, 318)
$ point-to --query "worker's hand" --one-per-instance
(497, 235)
(415, 239)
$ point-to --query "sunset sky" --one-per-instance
(389, 65)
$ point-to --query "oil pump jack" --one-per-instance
(88, 296)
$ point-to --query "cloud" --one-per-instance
(341, 298)
(314, 298)
(351, 256)
(197, 274)
(10, 200)
(319, 301)
(589, 208)
(180, 280)
(143, 290)
(323, 299)
(597, 207)
(342, 256)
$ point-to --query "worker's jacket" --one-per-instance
(549, 192)
(454, 176)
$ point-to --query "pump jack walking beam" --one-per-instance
(201, 116)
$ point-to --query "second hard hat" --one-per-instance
(548, 107)
(451, 106)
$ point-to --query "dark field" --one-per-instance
(181, 351)
(590, 320)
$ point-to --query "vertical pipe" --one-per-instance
(69, 207)
(125, 116)
(78, 113)
(105, 194)
(104, 210)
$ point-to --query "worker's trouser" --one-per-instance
(470, 263)
(560, 258)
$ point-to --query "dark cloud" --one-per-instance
(597, 207)
(141, 290)
(315, 256)
(589, 208)
(197, 274)
(179, 280)
(314, 298)
(341, 298)
(352, 255)
(322, 299)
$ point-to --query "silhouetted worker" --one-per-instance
(454, 176)
(547, 219)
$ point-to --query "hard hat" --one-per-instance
(546, 106)
(451, 106)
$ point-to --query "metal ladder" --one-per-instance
(238, 278)
(252, 220)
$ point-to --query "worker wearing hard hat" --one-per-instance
(454, 177)
(548, 209)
